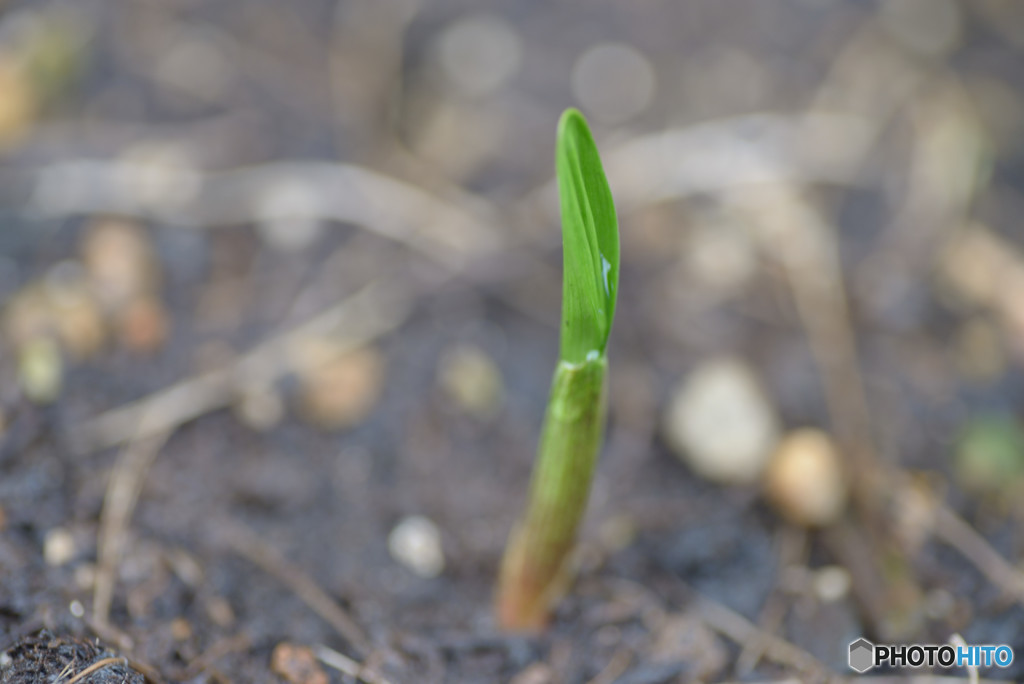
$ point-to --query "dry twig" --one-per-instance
(954, 530)
(98, 665)
(251, 547)
(737, 628)
(122, 494)
(615, 668)
(373, 311)
(345, 665)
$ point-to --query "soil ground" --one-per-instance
(263, 515)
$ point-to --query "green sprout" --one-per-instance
(535, 571)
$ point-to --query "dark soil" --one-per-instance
(234, 523)
(47, 658)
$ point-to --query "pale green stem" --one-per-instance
(533, 571)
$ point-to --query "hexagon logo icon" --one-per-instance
(862, 655)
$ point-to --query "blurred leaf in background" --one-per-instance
(989, 458)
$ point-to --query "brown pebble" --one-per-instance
(181, 630)
(119, 260)
(220, 612)
(341, 393)
(143, 325)
(538, 673)
(297, 664)
(805, 480)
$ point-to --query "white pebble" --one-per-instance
(415, 542)
(76, 608)
(480, 54)
(613, 82)
(721, 424)
(58, 546)
(832, 583)
(805, 480)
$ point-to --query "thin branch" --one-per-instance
(122, 494)
(346, 665)
(453, 234)
(740, 630)
(373, 311)
(261, 554)
(98, 665)
(954, 530)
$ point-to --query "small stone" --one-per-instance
(342, 391)
(181, 630)
(58, 547)
(480, 54)
(40, 370)
(119, 261)
(76, 609)
(721, 424)
(538, 673)
(832, 583)
(220, 612)
(613, 82)
(805, 480)
(297, 664)
(472, 380)
(415, 542)
(143, 325)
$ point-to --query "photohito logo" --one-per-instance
(865, 655)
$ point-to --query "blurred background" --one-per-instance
(281, 284)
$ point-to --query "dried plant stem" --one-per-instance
(98, 665)
(534, 571)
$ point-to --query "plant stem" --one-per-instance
(534, 570)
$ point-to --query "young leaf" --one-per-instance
(535, 568)
(590, 242)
